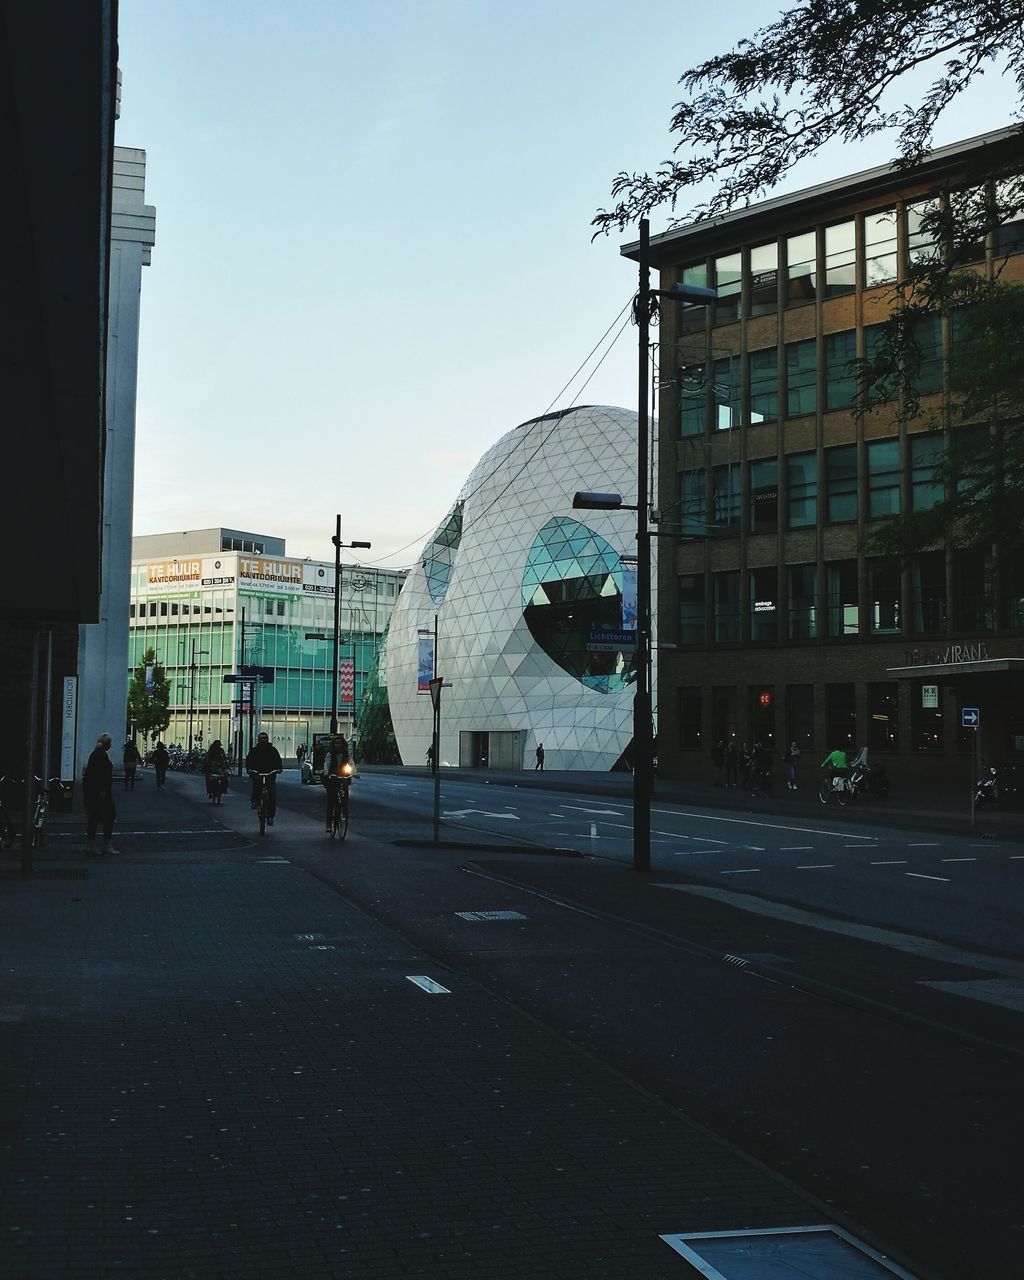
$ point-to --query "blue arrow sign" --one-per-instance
(970, 717)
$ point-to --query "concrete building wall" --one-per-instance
(103, 646)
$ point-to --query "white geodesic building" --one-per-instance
(519, 583)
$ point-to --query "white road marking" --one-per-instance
(918, 876)
(483, 813)
(795, 848)
(772, 826)
(923, 844)
(428, 985)
(959, 859)
(741, 871)
(753, 848)
(895, 862)
(614, 813)
(815, 866)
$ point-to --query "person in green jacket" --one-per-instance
(836, 762)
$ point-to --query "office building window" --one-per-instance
(693, 319)
(801, 268)
(926, 452)
(764, 279)
(1009, 237)
(764, 496)
(690, 736)
(801, 490)
(928, 336)
(928, 593)
(884, 716)
(725, 389)
(884, 385)
(840, 259)
(842, 598)
(764, 385)
(691, 608)
(841, 717)
(764, 604)
(884, 597)
(883, 478)
(801, 377)
(725, 502)
(728, 282)
(801, 593)
(693, 399)
(725, 600)
(879, 248)
(975, 590)
(131, 611)
(922, 245)
(841, 483)
(840, 379)
(693, 515)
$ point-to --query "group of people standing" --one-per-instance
(749, 766)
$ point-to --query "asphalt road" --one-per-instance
(845, 1007)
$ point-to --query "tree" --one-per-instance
(826, 71)
(148, 710)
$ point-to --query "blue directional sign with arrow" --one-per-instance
(970, 717)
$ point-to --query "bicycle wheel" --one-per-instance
(341, 815)
(261, 809)
(844, 793)
(824, 790)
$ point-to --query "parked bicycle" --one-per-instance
(42, 808)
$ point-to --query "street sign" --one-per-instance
(970, 718)
(435, 691)
(601, 640)
(233, 679)
(264, 674)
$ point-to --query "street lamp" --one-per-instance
(338, 544)
(643, 703)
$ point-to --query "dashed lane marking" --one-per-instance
(773, 826)
(428, 985)
(959, 859)
(741, 871)
(923, 844)
(816, 866)
(918, 875)
(795, 848)
(892, 862)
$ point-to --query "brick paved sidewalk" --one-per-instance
(214, 1066)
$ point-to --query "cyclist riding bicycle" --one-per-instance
(336, 768)
(837, 764)
(264, 758)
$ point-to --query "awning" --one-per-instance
(936, 670)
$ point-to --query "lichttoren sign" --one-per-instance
(68, 722)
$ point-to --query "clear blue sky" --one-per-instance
(373, 248)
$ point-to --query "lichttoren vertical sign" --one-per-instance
(68, 723)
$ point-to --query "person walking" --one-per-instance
(161, 759)
(300, 754)
(760, 770)
(730, 762)
(540, 758)
(746, 766)
(718, 760)
(131, 760)
(98, 796)
(792, 759)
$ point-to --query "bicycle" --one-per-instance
(41, 810)
(339, 809)
(838, 785)
(263, 801)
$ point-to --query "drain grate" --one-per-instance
(476, 917)
(46, 873)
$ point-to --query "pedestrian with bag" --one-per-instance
(216, 769)
(161, 759)
(98, 797)
(540, 758)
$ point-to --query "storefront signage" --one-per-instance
(975, 652)
(764, 606)
(317, 580)
(929, 695)
(68, 722)
(188, 575)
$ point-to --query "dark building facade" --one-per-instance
(777, 625)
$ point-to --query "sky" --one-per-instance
(373, 245)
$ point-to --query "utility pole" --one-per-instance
(337, 625)
(241, 661)
(643, 729)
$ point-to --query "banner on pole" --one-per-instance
(629, 599)
(425, 664)
(346, 680)
(68, 724)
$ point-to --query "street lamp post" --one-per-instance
(338, 544)
(643, 702)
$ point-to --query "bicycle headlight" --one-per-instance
(346, 770)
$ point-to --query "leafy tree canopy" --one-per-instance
(825, 71)
(149, 711)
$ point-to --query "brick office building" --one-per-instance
(776, 622)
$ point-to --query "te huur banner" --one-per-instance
(169, 577)
(270, 575)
